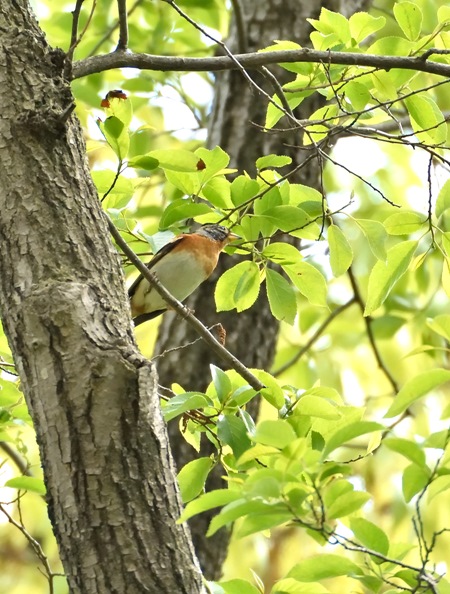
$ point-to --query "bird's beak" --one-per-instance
(233, 237)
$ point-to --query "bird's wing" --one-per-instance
(156, 258)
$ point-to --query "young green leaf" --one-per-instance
(324, 566)
(232, 431)
(370, 535)
(404, 223)
(236, 586)
(281, 295)
(176, 159)
(443, 199)
(363, 24)
(407, 448)
(409, 17)
(183, 402)
(238, 287)
(207, 501)
(27, 483)
(414, 479)
(274, 433)
(415, 388)
(376, 236)
(427, 119)
(347, 504)
(349, 432)
(309, 281)
(341, 254)
(192, 478)
(384, 275)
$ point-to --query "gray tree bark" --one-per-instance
(112, 494)
(237, 116)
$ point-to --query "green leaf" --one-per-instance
(409, 17)
(291, 586)
(282, 253)
(415, 478)
(370, 535)
(238, 287)
(443, 199)
(232, 431)
(409, 449)
(183, 402)
(332, 22)
(439, 485)
(222, 383)
(415, 388)
(208, 501)
(217, 191)
(287, 218)
(272, 392)
(341, 254)
(280, 293)
(427, 120)
(272, 161)
(143, 162)
(237, 587)
(116, 135)
(324, 566)
(314, 406)
(215, 161)
(404, 223)
(192, 478)
(440, 325)
(357, 94)
(309, 281)
(376, 236)
(27, 483)
(349, 432)
(347, 504)
(270, 517)
(384, 275)
(274, 433)
(180, 209)
(175, 159)
(242, 189)
(362, 24)
(113, 127)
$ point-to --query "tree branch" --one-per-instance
(113, 60)
(123, 25)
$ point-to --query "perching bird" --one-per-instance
(181, 266)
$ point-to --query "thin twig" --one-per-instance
(111, 30)
(314, 338)
(20, 462)
(368, 324)
(240, 26)
(123, 25)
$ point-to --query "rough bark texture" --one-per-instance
(236, 114)
(112, 494)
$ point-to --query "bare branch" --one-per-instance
(20, 462)
(315, 337)
(368, 323)
(123, 25)
(113, 60)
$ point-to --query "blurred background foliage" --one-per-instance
(171, 111)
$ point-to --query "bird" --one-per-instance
(181, 266)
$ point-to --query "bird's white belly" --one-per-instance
(179, 274)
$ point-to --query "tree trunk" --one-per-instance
(112, 493)
(237, 116)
